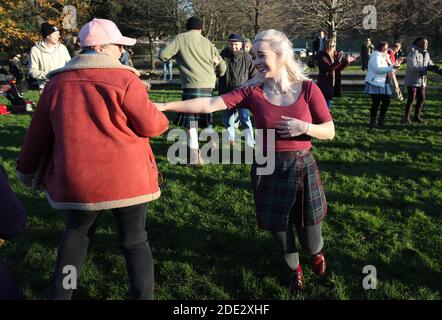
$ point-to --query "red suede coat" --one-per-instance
(96, 117)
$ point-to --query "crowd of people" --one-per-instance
(380, 62)
(70, 154)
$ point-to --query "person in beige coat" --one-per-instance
(47, 55)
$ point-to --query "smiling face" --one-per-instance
(266, 60)
(234, 46)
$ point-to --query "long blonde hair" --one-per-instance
(291, 71)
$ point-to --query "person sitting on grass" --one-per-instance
(282, 98)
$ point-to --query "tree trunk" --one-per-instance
(257, 14)
(151, 52)
(332, 32)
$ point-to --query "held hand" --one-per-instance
(147, 85)
(351, 59)
(161, 107)
(291, 127)
(216, 60)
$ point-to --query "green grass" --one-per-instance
(384, 189)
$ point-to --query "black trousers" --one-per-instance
(418, 94)
(74, 243)
(376, 100)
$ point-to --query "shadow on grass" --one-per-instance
(222, 258)
(406, 266)
(412, 149)
(397, 169)
(11, 136)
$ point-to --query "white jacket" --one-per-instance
(378, 68)
(44, 60)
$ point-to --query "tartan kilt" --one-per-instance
(293, 193)
(185, 119)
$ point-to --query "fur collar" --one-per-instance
(93, 61)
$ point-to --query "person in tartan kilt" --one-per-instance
(199, 63)
(284, 101)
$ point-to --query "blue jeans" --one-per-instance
(329, 103)
(241, 114)
(168, 66)
(74, 243)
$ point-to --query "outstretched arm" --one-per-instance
(198, 105)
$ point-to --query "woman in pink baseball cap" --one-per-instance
(96, 119)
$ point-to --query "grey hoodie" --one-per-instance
(418, 60)
(44, 60)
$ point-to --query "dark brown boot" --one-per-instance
(407, 119)
(418, 119)
(418, 114)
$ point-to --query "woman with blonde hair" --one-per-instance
(282, 100)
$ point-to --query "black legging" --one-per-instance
(376, 100)
(74, 243)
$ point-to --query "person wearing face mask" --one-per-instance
(47, 55)
(285, 102)
(97, 119)
(377, 83)
(239, 70)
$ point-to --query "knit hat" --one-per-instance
(101, 31)
(47, 29)
(234, 37)
(194, 23)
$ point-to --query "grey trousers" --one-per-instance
(310, 238)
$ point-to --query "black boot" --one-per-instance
(407, 119)
(373, 113)
(384, 108)
(381, 122)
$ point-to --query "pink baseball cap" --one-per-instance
(101, 31)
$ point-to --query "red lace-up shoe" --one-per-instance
(319, 264)
(296, 280)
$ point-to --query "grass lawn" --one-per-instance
(384, 189)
